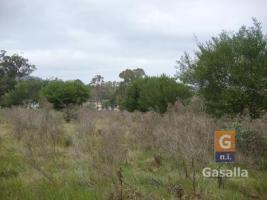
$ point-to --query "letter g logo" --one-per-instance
(224, 141)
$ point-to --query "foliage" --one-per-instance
(230, 72)
(251, 143)
(12, 68)
(102, 91)
(107, 103)
(63, 94)
(129, 75)
(25, 91)
(97, 80)
(154, 93)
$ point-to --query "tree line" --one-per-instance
(228, 72)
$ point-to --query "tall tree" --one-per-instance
(129, 75)
(12, 68)
(230, 72)
(96, 87)
(97, 80)
(102, 91)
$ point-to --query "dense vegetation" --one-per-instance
(63, 94)
(24, 92)
(230, 72)
(154, 93)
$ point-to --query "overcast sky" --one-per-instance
(77, 39)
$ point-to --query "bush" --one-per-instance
(154, 93)
(251, 144)
(26, 91)
(63, 94)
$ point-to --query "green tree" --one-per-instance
(230, 72)
(25, 91)
(63, 94)
(154, 93)
(12, 68)
(130, 75)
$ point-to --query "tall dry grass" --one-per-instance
(183, 136)
(104, 142)
(40, 132)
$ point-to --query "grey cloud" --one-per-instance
(80, 38)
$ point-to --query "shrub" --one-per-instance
(251, 143)
(63, 94)
(154, 93)
(26, 91)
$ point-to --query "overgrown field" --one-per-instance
(121, 155)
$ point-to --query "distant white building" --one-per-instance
(98, 106)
